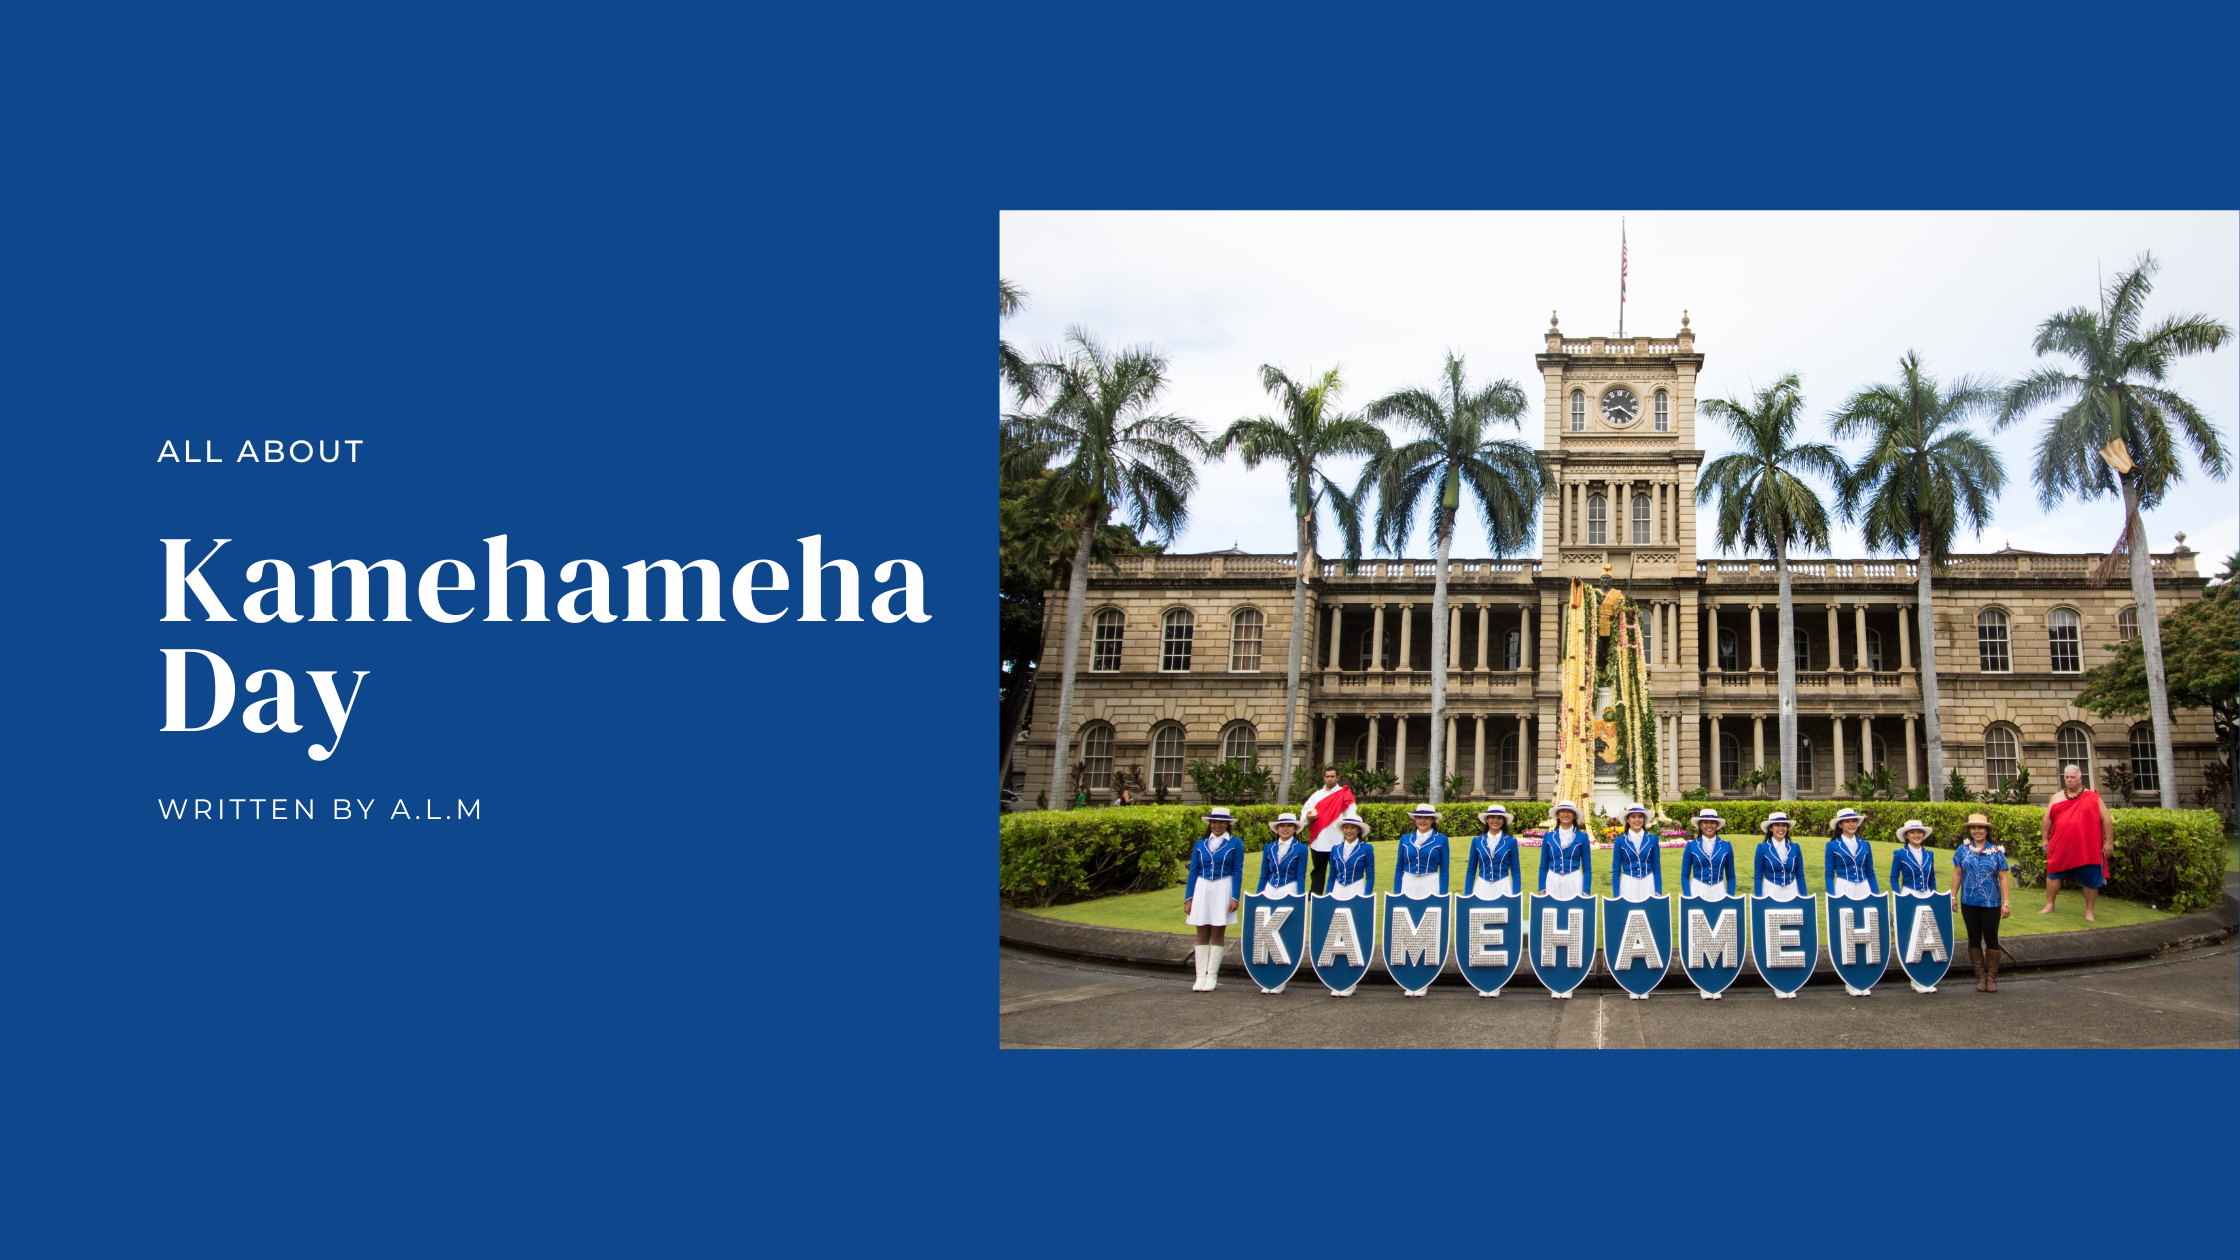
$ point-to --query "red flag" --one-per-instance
(1327, 810)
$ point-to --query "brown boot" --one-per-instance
(1975, 955)
(1991, 970)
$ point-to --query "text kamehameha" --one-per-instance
(447, 594)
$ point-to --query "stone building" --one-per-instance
(1183, 656)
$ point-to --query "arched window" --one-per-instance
(1640, 520)
(2127, 624)
(1727, 658)
(2073, 745)
(1578, 411)
(2001, 756)
(1240, 746)
(1730, 761)
(1096, 754)
(1112, 624)
(2062, 636)
(1244, 641)
(1881, 753)
(1507, 778)
(1166, 757)
(1804, 649)
(1991, 642)
(1874, 651)
(1664, 413)
(1512, 650)
(2146, 773)
(1369, 651)
(1598, 520)
(1174, 652)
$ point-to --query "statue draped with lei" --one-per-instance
(1604, 647)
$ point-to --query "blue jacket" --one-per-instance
(1639, 861)
(1841, 863)
(1291, 870)
(1422, 859)
(1562, 852)
(1208, 862)
(1491, 862)
(1361, 869)
(1710, 870)
(1905, 872)
(1770, 870)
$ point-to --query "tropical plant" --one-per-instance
(2011, 789)
(1924, 476)
(2201, 670)
(1231, 783)
(1765, 501)
(1767, 774)
(1872, 785)
(1504, 475)
(1016, 372)
(1956, 788)
(1112, 452)
(1309, 431)
(2114, 435)
(1453, 784)
(1363, 780)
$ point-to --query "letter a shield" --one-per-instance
(1711, 940)
(1340, 935)
(1562, 941)
(1275, 939)
(1488, 941)
(1785, 941)
(1415, 940)
(1858, 932)
(1924, 938)
(1636, 942)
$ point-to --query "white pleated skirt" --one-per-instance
(1419, 885)
(1713, 891)
(1347, 892)
(1209, 903)
(1853, 888)
(1636, 887)
(1281, 890)
(1490, 889)
(1566, 887)
(1781, 892)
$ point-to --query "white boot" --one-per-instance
(1213, 966)
(1198, 953)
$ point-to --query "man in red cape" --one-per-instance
(1322, 811)
(2078, 831)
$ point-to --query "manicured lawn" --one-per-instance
(2232, 855)
(1162, 911)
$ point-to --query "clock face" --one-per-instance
(1619, 406)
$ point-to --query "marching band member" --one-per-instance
(1780, 865)
(1493, 858)
(1566, 856)
(1283, 862)
(1636, 864)
(1848, 869)
(1421, 870)
(1707, 864)
(1353, 864)
(1216, 877)
(1913, 872)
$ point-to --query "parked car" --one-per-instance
(1012, 801)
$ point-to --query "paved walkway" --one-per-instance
(2187, 999)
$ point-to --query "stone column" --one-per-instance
(1837, 722)
(1478, 760)
(1330, 739)
(1835, 640)
(1454, 636)
(1710, 655)
(1859, 628)
(1528, 776)
(1407, 634)
(1376, 640)
(1376, 731)
(1905, 636)
(1337, 632)
(1757, 741)
(1757, 662)
(1485, 632)
(1913, 776)
(1400, 751)
(1450, 744)
(1718, 750)
(1866, 743)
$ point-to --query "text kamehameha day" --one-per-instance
(442, 598)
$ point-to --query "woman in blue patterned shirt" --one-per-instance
(1980, 876)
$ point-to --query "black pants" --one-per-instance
(1320, 861)
(1983, 926)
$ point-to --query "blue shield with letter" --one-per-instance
(1636, 941)
(1415, 939)
(1488, 941)
(1711, 942)
(1340, 935)
(1922, 937)
(1858, 932)
(1275, 939)
(1562, 935)
(1785, 940)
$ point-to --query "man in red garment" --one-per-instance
(1322, 811)
(2077, 832)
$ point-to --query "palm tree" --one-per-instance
(1116, 453)
(1310, 431)
(1923, 476)
(1504, 475)
(1764, 501)
(2115, 436)
(1013, 366)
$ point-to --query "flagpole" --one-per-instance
(1621, 277)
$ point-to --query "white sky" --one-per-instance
(1833, 296)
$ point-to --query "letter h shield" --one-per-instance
(1563, 933)
(1858, 931)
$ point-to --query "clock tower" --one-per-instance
(1622, 454)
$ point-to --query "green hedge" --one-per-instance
(2169, 859)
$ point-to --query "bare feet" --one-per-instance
(2089, 918)
(2047, 910)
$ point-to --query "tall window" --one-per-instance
(1174, 652)
(1991, 642)
(1578, 411)
(1512, 650)
(1804, 649)
(1244, 641)
(1727, 658)
(2074, 746)
(1239, 746)
(1874, 651)
(1881, 753)
(1730, 761)
(2062, 636)
(1640, 520)
(1166, 757)
(2146, 774)
(2127, 624)
(2000, 755)
(1508, 763)
(1598, 520)
(1664, 413)
(1096, 753)
(1111, 625)
(1369, 650)
(1804, 764)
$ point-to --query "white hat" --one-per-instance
(1638, 808)
(1712, 815)
(1562, 806)
(1777, 817)
(1497, 808)
(1352, 819)
(1915, 824)
(1423, 811)
(1835, 824)
(1283, 818)
(1220, 813)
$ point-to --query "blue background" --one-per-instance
(679, 282)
